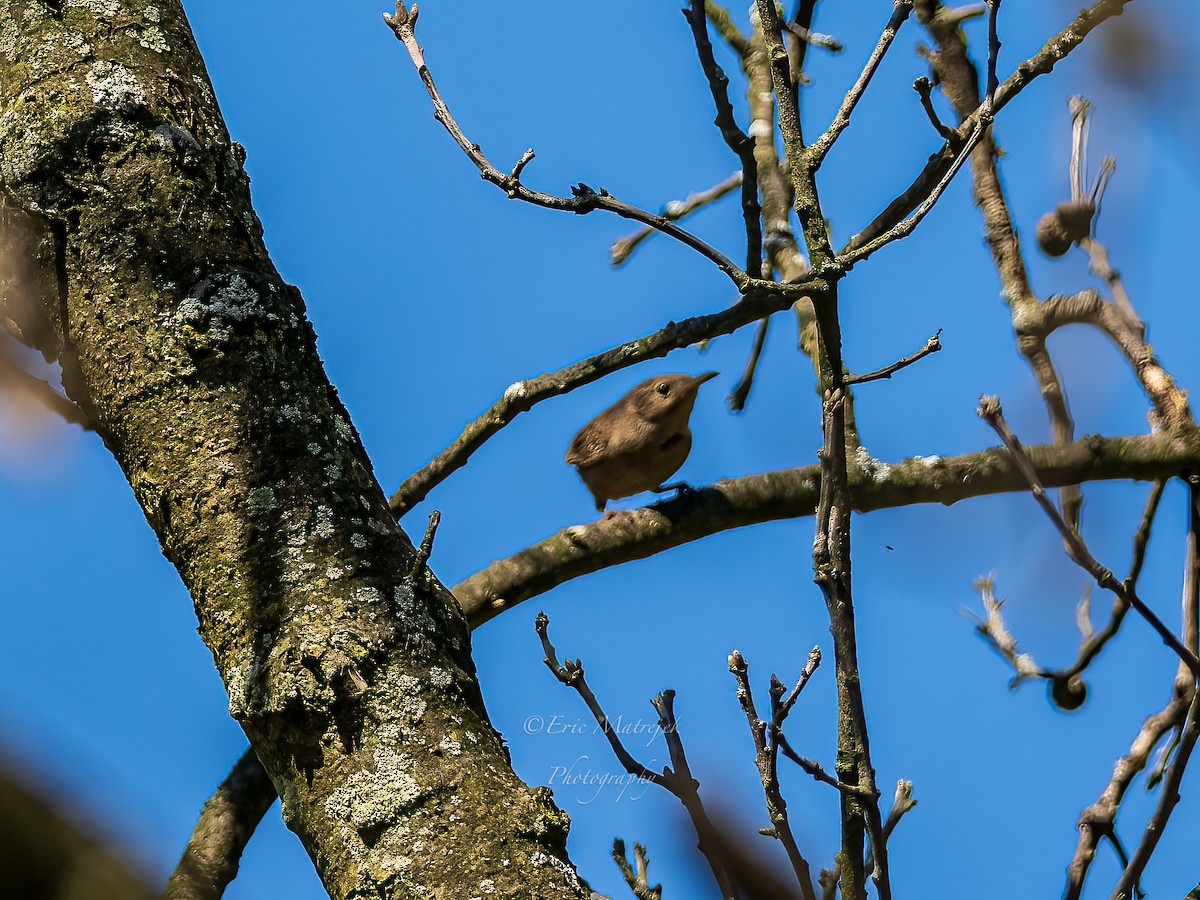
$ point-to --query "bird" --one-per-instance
(640, 441)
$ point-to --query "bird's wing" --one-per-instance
(588, 446)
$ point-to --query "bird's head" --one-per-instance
(658, 398)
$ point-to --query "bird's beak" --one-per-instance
(700, 379)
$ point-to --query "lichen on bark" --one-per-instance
(350, 673)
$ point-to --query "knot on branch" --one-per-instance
(586, 198)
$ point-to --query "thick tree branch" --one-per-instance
(734, 503)
(210, 860)
(198, 367)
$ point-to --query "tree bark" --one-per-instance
(130, 253)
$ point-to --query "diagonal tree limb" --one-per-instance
(990, 412)
(210, 860)
(739, 142)
(524, 395)
(1098, 821)
(583, 200)
(1054, 51)
(752, 499)
(901, 9)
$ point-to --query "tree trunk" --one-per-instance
(129, 251)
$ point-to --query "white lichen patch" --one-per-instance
(408, 692)
(376, 796)
(440, 678)
(359, 541)
(368, 595)
(115, 87)
(97, 7)
(541, 858)
(450, 747)
(324, 524)
(487, 886)
(514, 391)
(150, 37)
(873, 468)
(152, 14)
(414, 613)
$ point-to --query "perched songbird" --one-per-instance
(638, 442)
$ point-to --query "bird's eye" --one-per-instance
(663, 388)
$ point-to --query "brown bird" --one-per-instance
(638, 442)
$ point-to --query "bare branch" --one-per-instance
(1054, 51)
(848, 259)
(993, 83)
(766, 759)
(210, 860)
(524, 395)
(678, 781)
(752, 499)
(584, 199)
(739, 142)
(933, 345)
(901, 9)
(989, 410)
(741, 391)
(623, 248)
(814, 38)
(636, 879)
(924, 88)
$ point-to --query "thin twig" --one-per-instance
(933, 345)
(739, 142)
(1168, 798)
(993, 83)
(902, 804)
(1053, 51)
(1169, 792)
(524, 395)
(992, 627)
(849, 258)
(766, 758)
(741, 391)
(623, 248)
(584, 199)
(989, 410)
(814, 38)
(677, 778)
(924, 88)
(819, 772)
(1097, 821)
(901, 9)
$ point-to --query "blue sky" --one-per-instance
(431, 293)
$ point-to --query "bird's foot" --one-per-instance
(681, 488)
